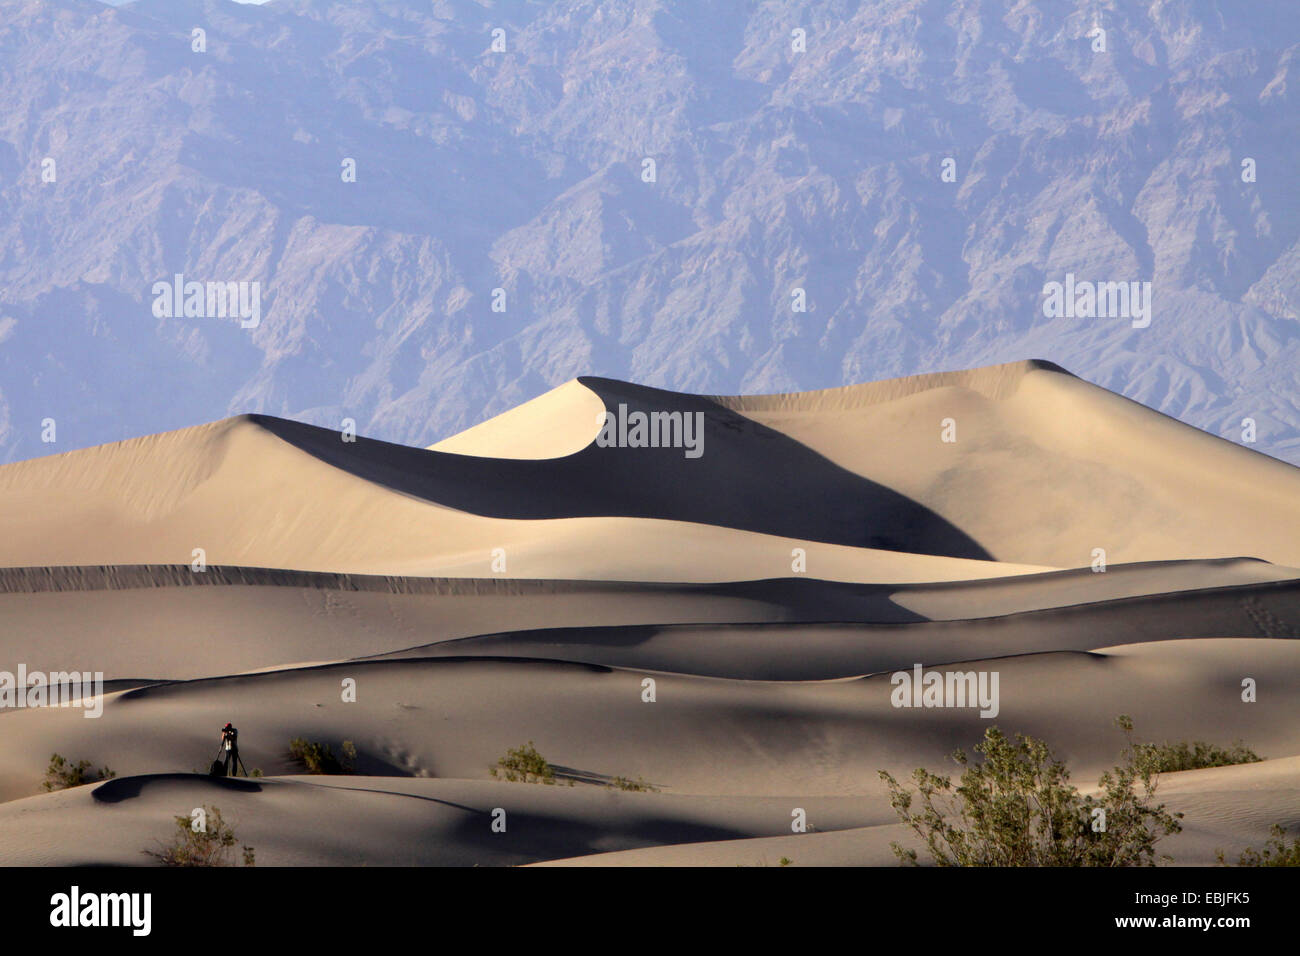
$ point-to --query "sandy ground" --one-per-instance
(518, 582)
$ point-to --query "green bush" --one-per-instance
(524, 765)
(62, 773)
(319, 758)
(1276, 852)
(214, 845)
(1017, 807)
(1197, 755)
(623, 783)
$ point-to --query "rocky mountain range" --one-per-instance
(444, 209)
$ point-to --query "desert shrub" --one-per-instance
(61, 773)
(524, 765)
(214, 845)
(1197, 755)
(319, 758)
(623, 783)
(1017, 807)
(1276, 852)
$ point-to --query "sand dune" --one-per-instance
(842, 475)
(1047, 467)
(310, 821)
(520, 582)
(452, 717)
(743, 629)
(234, 489)
(831, 651)
(764, 747)
(559, 423)
(1226, 809)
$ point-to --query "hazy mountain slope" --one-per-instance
(522, 171)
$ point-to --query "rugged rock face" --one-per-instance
(525, 170)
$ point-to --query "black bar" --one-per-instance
(269, 904)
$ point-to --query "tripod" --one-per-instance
(239, 761)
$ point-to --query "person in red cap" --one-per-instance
(230, 748)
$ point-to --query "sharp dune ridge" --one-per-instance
(833, 650)
(1177, 575)
(132, 577)
(994, 382)
(520, 581)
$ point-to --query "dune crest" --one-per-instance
(994, 382)
(557, 423)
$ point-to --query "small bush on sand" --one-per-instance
(1197, 755)
(212, 845)
(62, 773)
(1276, 852)
(319, 758)
(1017, 808)
(524, 765)
(623, 783)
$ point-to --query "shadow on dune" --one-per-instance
(125, 788)
(824, 650)
(747, 477)
(401, 794)
(563, 773)
(538, 836)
